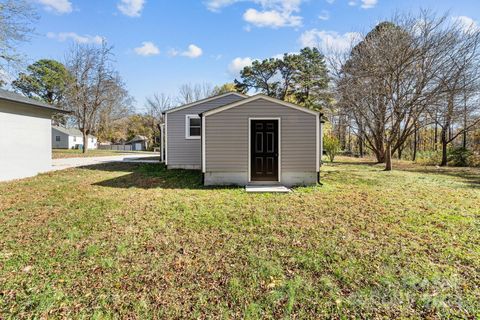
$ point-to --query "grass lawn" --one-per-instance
(137, 241)
(77, 153)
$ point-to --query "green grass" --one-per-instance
(137, 241)
(77, 153)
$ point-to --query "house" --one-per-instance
(25, 136)
(70, 138)
(239, 140)
(138, 143)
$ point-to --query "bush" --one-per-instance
(429, 158)
(459, 157)
(474, 160)
(331, 145)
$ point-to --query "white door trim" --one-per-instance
(279, 146)
(204, 153)
(166, 138)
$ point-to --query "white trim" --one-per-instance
(187, 126)
(317, 161)
(204, 153)
(256, 97)
(162, 145)
(321, 142)
(166, 139)
(188, 105)
(279, 146)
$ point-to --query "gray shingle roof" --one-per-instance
(74, 132)
(14, 97)
(138, 138)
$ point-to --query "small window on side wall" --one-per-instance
(192, 126)
(57, 138)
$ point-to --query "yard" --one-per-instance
(137, 241)
(77, 153)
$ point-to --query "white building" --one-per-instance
(70, 138)
(25, 136)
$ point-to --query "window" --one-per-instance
(74, 139)
(57, 138)
(192, 126)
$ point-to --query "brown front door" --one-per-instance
(264, 150)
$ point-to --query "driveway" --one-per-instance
(66, 163)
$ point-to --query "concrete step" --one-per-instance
(267, 188)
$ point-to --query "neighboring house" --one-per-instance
(238, 140)
(138, 143)
(25, 136)
(70, 138)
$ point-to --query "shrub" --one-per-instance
(429, 158)
(458, 157)
(474, 160)
(331, 145)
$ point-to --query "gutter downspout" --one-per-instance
(201, 148)
(321, 122)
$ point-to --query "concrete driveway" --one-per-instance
(66, 163)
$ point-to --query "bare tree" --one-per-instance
(96, 87)
(16, 19)
(155, 106)
(458, 112)
(394, 75)
(189, 93)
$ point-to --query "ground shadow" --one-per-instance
(470, 176)
(147, 176)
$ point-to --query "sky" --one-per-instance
(162, 44)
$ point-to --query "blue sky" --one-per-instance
(161, 44)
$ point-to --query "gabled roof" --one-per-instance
(205, 100)
(257, 97)
(74, 132)
(137, 138)
(14, 97)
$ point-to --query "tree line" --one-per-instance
(410, 84)
(407, 88)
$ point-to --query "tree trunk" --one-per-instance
(415, 139)
(435, 141)
(85, 141)
(388, 158)
(444, 146)
(360, 145)
(380, 152)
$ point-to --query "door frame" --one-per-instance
(279, 120)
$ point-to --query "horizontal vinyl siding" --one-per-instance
(183, 151)
(227, 137)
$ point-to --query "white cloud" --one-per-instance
(324, 15)
(329, 40)
(330, 1)
(147, 49)
(273, 13)
(216, 5)
(238, 64)
(131, 8)
(364, 4)
(57, 6)
(192, 52)
(367, 4)
(271, 18)
(85, 39)
(466, 23)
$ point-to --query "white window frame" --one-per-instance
(187, 127)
